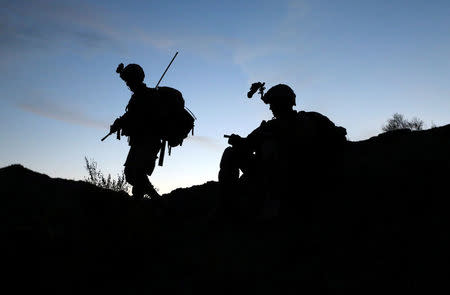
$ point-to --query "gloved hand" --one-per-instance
(115, 126)
(235, 139)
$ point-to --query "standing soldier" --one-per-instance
(141, 123)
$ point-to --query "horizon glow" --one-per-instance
(357, 62)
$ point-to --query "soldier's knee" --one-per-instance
(229, 168)
(130, 175)
(229, 157)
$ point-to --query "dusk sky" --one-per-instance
(356, 62)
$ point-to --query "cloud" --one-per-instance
(53, 110)
(50, 109)
(95, 26)
(206, 141)
(28, 25)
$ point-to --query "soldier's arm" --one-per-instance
(120, 122)
(253, 140)
(130, 111)
(256, 137)
(116, 125)
(235, 140)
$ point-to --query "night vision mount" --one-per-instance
(258, 86)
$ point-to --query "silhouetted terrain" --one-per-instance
(376, 220)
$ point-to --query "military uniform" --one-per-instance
(279, 145)
(293, 144)
(142, 123)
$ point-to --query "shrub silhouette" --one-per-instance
(97, 178)
(398, 121)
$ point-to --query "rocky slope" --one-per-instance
(375, 219)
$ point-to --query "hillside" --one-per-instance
(375, 219)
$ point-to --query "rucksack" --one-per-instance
(179, 121)
(324, 128)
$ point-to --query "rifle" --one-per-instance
(161, 158)
(118, 135)
(237, 139)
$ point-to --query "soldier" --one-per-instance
(288, 145)
(141, 123)
(259, 144)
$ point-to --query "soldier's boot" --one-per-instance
(151, 192)
(142, 185)
(159, 204)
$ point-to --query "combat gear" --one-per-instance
(131, 73)
(152, 117)
(255, 87)
(280, 94)
(283, 138)
(178, 122)
(322, 129)
(141, 123)
(293, 143)
(173, 122)
(143, 116)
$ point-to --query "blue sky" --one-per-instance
(357, 62)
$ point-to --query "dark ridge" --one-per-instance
(376, 219)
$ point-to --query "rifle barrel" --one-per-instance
(106, 136)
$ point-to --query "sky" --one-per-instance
(356, 62)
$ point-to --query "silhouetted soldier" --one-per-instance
(141, 122)
(279, 149)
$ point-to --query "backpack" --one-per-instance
(325, 130)
(179, 121)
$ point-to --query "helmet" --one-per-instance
(280, 93)
(131, 73)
